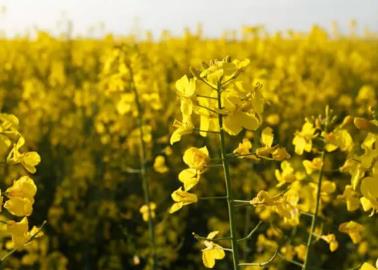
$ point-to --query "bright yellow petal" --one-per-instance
(175, 207)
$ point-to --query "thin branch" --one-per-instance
(290, 261)
(261, 264)
(207, 108)
(251, 233)
(202, 96)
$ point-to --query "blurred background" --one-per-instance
(96, 17)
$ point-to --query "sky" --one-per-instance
(121, 17)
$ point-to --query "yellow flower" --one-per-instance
(280, 154)
(354, 168)
(351, 197)
(244, 148)
(186, 87)
(196, 158)
(239, 115)
(331, 240)
(159, 164)
(19, 232)
(369, 190)
(145, 212)
(315, 165)
(338, 139)
(22, 187)
(21, 197)
(182, 128)
(285, 205)
(353, 229)
(301, 251)
(19, 206)
(181, 198)
(267, 137)
(28, 160)
(212, 252)
(303, 139)
(189, 177)
(287, 175)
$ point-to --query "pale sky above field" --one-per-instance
(124, 16)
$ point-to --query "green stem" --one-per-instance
(143, 172)
(315, 216)
(227, 178)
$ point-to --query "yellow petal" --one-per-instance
(267, 137)
(189, 177)
(369, 187)
(175, 207)
(367, 266)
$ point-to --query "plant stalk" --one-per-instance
(227, 178)
(143, 173)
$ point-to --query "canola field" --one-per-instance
(247, 151)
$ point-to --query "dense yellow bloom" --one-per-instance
(212, 252)
(181, 198)
(353, 229)
(146, 212)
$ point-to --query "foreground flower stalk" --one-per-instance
(317, 203)
(227, 178)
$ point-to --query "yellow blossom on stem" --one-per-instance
(19, 232)
(28, 160)
(353, 229)
(196, 158)
(181, 198)
(212, 252)
(303, 139)
(244, 148)
(314, 165)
